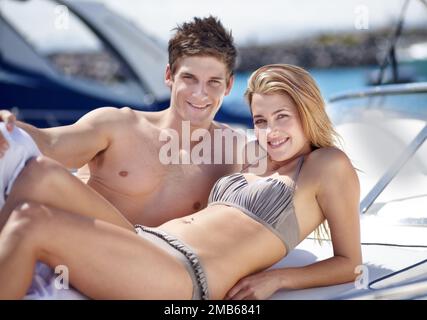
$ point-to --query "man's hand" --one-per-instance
(9, 119)
(259, 286)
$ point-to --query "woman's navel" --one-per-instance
(123, 173)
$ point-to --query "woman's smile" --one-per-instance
(277, 143)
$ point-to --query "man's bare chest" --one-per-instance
(141, 173)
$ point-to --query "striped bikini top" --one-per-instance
(267, 200)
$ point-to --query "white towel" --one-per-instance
(47, 285)
(21, 149)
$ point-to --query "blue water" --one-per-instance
(330, 81)
(338, 80)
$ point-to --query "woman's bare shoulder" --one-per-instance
(329, 164)
(328, 157)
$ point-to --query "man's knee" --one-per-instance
(42, 163)
(40, 172)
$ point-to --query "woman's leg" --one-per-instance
(45, 181)
(104, 261)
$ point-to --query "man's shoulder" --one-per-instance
(221, 125)
(111, 115)
(115, 113)
(226, 127)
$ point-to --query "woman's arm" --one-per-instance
(262, 285)
(338, 197)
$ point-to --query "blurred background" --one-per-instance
(60, 59)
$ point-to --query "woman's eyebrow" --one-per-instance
(277, 111)
(281, 109)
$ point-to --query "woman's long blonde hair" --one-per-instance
(301, 87)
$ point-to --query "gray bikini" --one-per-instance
(183, 253)
(267, 200)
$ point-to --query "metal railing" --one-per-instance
(409, 151)
(391, 89)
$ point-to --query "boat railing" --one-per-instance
(391, 89)
(394, 169)
(409, 150)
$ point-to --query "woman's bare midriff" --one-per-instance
(223, 237)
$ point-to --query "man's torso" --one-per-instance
(130, 175)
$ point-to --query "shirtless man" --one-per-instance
(117, 150)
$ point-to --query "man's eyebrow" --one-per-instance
(218, 78)
(187, 74)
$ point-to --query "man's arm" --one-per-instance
(75, 145)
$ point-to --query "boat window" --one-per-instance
(377, 131)
(66, 41)
(404, 199)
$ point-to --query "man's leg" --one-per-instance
(104, 261)
(45, 181)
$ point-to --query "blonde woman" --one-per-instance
(222, 251)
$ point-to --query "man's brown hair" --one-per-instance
(202, 37)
